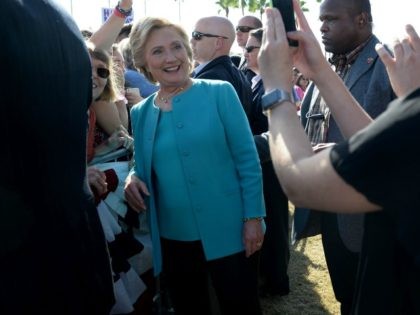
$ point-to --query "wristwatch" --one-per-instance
(273, 99)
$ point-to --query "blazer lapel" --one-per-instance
(363, 63)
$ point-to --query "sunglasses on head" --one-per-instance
(198, 35)
(249, 49)
(102, 73)
(244, 29)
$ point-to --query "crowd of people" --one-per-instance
(157, 166)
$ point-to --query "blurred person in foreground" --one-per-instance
(374, 171)
(53, 252)
(197, 174)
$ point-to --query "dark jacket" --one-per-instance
(53, 251)
(223, 69)
(257, 120)
(367, 80)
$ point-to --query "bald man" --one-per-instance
(245, 25)
(211, 42)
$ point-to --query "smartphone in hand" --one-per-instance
(285, 8)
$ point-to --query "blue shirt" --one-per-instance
(138, 80)
(175, 214)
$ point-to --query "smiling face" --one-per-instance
(166, 57)
(98, 83)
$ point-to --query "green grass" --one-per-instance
(310, 285)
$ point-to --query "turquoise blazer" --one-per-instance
(219, 159)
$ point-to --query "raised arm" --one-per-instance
(307, 179)
(310, 180)
(105, 36)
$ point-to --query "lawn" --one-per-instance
(310, 285)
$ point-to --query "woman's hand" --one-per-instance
(126, 4)
(97, 180)
(274, 59)
(134, 191)
(133, 96)
(404, 68)
(253, 236)
(308, 56)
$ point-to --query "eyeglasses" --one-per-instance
(244, 29)
(102, 73)
(249, 49)
(198, 35)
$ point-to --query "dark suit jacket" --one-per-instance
(53, 251)
(257, 120)
(368, 82)
(223, 69)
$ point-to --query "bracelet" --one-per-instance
(252, 218)
(120, 12)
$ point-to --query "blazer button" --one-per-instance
(179, 125)
(185, 153)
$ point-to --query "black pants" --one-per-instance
(187, 275)
(275, 252)
(342, 263)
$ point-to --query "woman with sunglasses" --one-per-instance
(102, 90)
(198, 176)
(102, 179)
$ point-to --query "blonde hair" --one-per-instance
(140, 34)
(109, 93)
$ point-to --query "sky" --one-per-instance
(389, 16)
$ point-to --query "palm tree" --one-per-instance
(258, 5)
(226, 4)
(243, 5)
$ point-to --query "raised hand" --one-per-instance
(404, 68)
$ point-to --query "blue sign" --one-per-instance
(107, 12)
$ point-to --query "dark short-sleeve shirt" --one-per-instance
(383, 163)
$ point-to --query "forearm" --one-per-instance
(122, 113)
(106, 35)
(348, 114)
(288, 145)
(107, 116)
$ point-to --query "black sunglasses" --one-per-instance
(249, 49)
(102, 73)
(244, 29)
(198, 35)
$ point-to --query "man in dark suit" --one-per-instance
(246, 24)
(275, 253)
(53, 250)
(211, 42)
(347, 34)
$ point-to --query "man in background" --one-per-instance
(211, 42)
(347, 34)
(245, 25)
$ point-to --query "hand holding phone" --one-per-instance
(285, 8)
